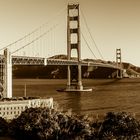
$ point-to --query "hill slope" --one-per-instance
(61, 71)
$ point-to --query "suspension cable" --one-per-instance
(88, 45)
(37, 38)
(91, 34)
(35, 30)
(85, 39)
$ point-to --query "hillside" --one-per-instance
(131, 70)
(60, 72)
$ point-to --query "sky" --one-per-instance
(112, 23)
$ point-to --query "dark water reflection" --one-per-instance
(107, 95)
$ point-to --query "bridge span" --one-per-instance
(24, 60)
(73, 43)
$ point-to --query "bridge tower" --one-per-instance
(119, 63)
(73, 33)
(6, 74)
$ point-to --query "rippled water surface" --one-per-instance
(107, 95)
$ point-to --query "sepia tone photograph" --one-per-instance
(69, 70)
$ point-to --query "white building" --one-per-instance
(10, 109)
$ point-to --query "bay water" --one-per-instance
(107, 95)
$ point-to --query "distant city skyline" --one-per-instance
(112, 23)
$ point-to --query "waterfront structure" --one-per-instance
(12, 108)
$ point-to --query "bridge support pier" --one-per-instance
(7, 73)
(68, 78)
(73, 42)
(79, 85)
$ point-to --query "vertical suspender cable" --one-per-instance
(91, 35)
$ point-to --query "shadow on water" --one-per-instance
(74, 101)
(120, 81)
(111, 82)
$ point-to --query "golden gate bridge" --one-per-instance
(31, 50)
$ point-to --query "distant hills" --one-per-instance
(60, 72)
(132, 70)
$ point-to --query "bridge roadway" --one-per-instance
(24, 60)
